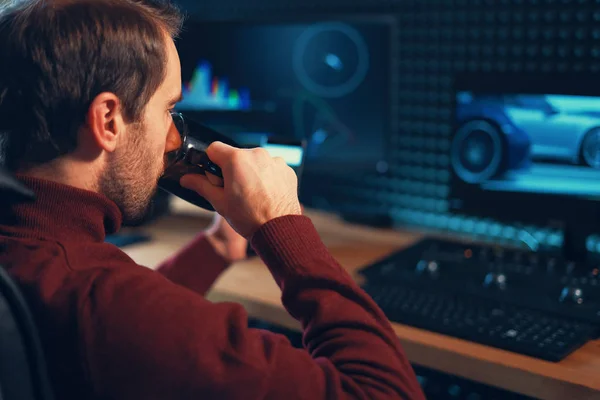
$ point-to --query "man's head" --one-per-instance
(86, 87)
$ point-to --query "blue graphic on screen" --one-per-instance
(207, 92)
(334, 61)
(528, 143)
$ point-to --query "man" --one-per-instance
(86, 90)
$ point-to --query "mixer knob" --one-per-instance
(534, 260)
(495, 280)
(428, 267)
(570, 268)
(572, 295)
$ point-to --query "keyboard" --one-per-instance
(491, 323)
(516, 302)
(441, 386)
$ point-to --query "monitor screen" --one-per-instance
(529, 143)
(291, 154)
(529, 155)
(326, 83)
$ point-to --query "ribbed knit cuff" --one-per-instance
(291, 247)
(197, 266)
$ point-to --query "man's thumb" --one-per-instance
(201, 185)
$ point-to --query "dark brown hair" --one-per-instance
(56, 56)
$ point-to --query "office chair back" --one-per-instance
(23, 374)
(23, 370)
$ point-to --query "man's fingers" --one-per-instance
(215, 180)
(201, 185)
(220, 153)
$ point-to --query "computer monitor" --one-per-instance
(291, 151)
(527, 148)
(325, 82)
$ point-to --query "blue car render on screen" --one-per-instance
(528, 143)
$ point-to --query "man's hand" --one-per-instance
(226, 241)
(257, 187)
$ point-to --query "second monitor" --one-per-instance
(528, 148)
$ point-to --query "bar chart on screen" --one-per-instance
(207, 92)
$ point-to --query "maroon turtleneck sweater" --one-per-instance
(113, 329)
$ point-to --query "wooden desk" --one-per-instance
(249, 283)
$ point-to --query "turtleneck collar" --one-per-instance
(61, 213)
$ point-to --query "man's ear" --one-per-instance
(105, 121)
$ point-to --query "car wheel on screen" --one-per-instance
(589, 151)
(476, 152)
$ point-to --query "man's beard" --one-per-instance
(131, 179)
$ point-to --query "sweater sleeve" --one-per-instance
(144, 337)
(197, 266)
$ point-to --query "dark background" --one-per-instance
(437, 40)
